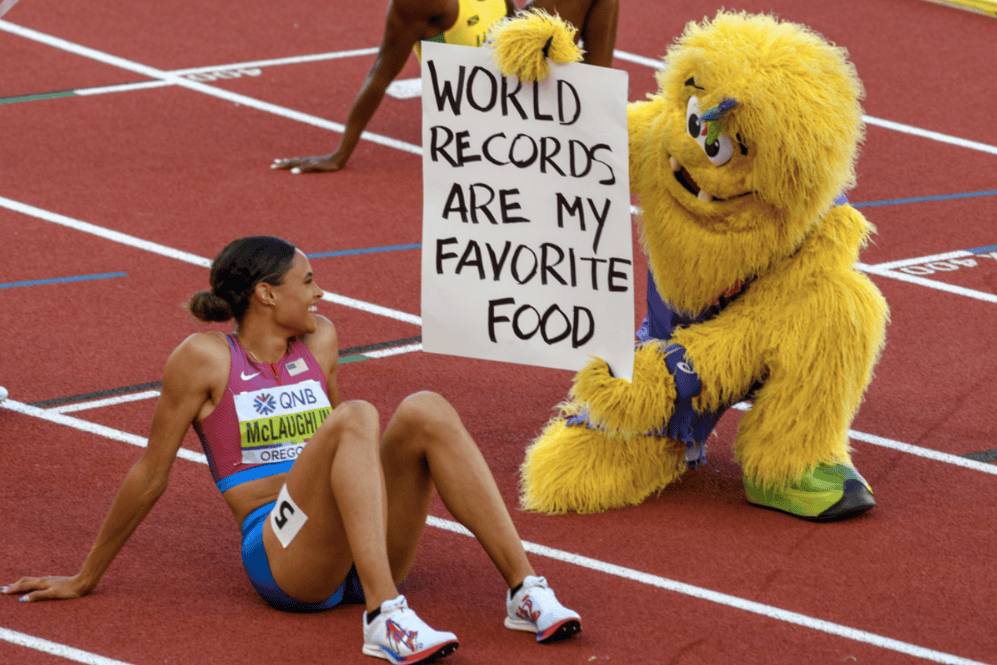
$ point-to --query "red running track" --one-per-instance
(909, 582)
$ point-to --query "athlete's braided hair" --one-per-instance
(236, 271)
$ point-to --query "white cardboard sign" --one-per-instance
(527, 252)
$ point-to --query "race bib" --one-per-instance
(286, 518)
(275, 423)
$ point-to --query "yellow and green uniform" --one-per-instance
(474, 20)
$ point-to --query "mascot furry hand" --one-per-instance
(740, 161)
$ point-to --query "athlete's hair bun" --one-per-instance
(206, 306)
(236, 271)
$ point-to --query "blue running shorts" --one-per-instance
(254, 558)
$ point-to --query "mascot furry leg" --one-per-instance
(574, 467)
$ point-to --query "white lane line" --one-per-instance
(868, 119)
(384, 311)
(55, 415)
(761, 609)
(928, 134)
(257, 64)
(149, 394)
(401, 145)
(49, 415)
(107, 234)
(120, 87)
(171, 78)
(883, 442)
(592, 564)
(187, 257)
(727, 600)
(56, 649)
(153, 73)
(930, 283)
(275, 62)
(927, 453)
(177, 79)
(910, 449)
(109, 401)
(365, 306)
(384, 353)
(653, 63)
(903, 263)
(891, 269)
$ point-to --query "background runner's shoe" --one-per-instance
(535, 609)
(398, 635)
(828, 492)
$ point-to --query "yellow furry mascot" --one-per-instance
(740, 162)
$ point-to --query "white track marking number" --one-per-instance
(945, 266)
(220, 74)
(286, 518)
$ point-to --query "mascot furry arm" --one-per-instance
(740, 162)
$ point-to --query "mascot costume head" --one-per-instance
(740, 162)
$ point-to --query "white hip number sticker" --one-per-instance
(286, 518)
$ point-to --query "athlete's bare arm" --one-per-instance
(407, 22)
(324, 346)
(190, 387)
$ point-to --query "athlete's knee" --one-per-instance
(354, 419)
(426, 412)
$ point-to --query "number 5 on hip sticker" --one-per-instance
(286, 519)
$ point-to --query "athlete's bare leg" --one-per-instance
(595, 20)
(337, 482)
(426, 445)
(599, 32)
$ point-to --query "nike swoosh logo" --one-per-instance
(247, 378)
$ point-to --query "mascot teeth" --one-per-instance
(687, 181)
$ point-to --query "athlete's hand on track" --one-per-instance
(45, 588)
(318, 164)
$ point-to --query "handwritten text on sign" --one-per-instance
(527, 243)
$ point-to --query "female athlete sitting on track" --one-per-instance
(338, 519)
(410, 21)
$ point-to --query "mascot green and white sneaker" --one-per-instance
(825, 493)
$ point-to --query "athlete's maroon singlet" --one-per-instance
(267, 414)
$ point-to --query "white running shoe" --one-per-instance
(535, 609)
(3, 393)
(398, 635)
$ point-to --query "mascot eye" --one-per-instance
(720, 151)
(693, 124)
